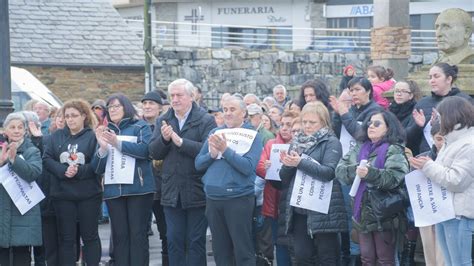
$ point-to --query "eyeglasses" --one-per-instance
(401, 92)
(114, 107)
(73, 116)
(376, 123)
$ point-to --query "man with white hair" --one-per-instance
(250, 98)
(177, 139)
(43, 111)
(280, 95)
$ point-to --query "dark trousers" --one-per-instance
(231, 227)
(186, 234)
(15, 256)
(50, 240)
(161, 224)
(322, 248)
(129, 220)
(85, 212)
(377, 248)
(264, 242)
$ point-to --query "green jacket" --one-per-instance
(392, 176)
(266, 135)
(16, 229)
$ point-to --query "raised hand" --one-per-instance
(34, 130)
(419, 117)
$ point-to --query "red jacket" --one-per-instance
(271, 195)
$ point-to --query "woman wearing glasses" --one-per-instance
(381, 144)
(315, 234)
(405, 95)
(75, 188)
(129, 204)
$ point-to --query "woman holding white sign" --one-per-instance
(315, 233)
(18, 232)
(75, 188)
(453, 169)
(129, 201)
(380, 144)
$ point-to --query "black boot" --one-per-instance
(408, 254)
(165, 260)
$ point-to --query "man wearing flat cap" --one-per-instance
(255, 113)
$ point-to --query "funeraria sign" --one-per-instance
(245, 10)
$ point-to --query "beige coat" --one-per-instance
(454, 169)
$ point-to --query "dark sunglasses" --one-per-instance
(376, 123)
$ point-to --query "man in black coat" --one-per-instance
(177, 139)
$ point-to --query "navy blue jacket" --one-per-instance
(143, 180)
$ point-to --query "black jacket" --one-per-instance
(180, 179)
(327, 151)
(427, 104)
(44, 180)
(352, 119)
(86, 183)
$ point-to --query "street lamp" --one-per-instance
(6, 104)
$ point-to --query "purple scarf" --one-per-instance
(380, 149)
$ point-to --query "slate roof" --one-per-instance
(71, 33)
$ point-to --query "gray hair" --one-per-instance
(240, 101)
(252, 96)
(279, 86)
(270, 99)
(15, 116)
(188, 86)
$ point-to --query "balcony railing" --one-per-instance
(203, 35)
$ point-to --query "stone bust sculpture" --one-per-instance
(453, 31)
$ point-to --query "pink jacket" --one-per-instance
(379, 89)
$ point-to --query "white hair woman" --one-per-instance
(18, 232)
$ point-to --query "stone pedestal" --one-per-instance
(465, 81)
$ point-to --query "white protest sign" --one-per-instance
(310, 193)
(23, 194)
(239, 140)
(430, 202)
(273, 172)
(347, 141)
(120, 168)
(427, 134)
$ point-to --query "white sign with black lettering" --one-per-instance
(310, 193)
(23, 194)
(120, 168)
(347, 141)
(273, 172)
(239, 140)
(430, 202)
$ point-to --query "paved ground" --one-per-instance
(155, 246)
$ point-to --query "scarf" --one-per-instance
(380, 149)
(302, 143)
(402, 110)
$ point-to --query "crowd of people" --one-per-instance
(194, 168)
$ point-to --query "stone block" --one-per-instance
(221, 54)
(266, 68)
(241, 64)
(184, 55)
(285, 57)
(202, 54)
(429, 58)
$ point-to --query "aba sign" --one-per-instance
(362, 10)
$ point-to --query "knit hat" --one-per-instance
(347, 68)
(152, 96)
(98, 103)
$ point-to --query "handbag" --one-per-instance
(388, 203)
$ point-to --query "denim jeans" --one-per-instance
(355, 249)
(455, 239)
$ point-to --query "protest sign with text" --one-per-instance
(273, 172)
(430, 202)
(239, 140)
(23, 194)
(310, 193)
(120, 168)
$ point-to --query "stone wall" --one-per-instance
(90, 83)
(238, 70)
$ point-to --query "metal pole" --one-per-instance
(149, 80)
(6, 104)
